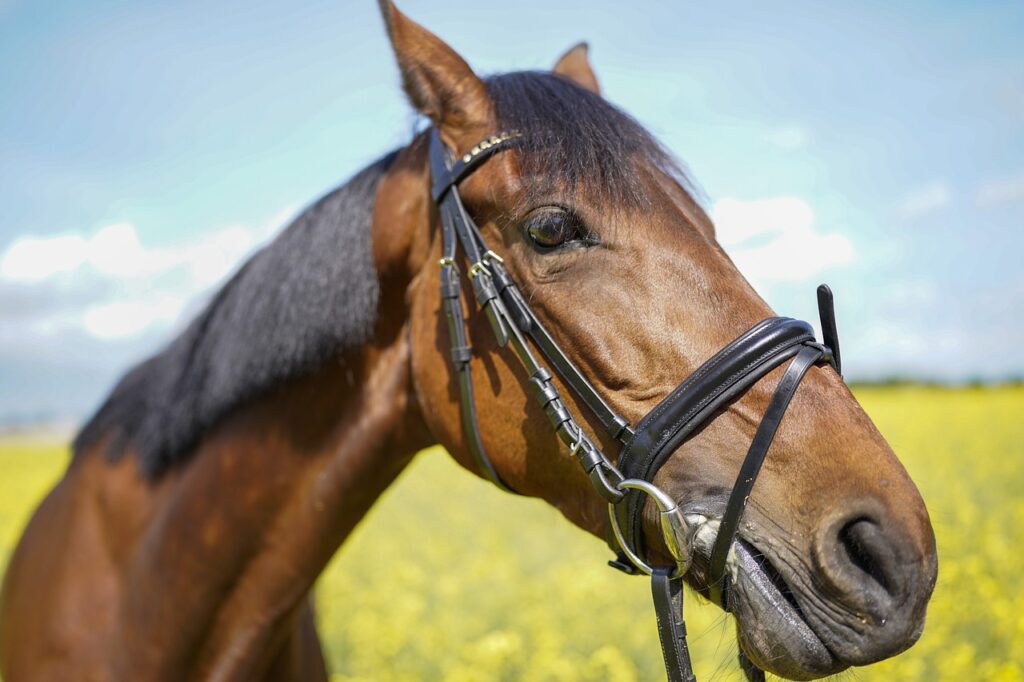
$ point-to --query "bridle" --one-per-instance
(645, 447)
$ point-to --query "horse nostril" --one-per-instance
(877, 579)
(860, 558)
(868, 551)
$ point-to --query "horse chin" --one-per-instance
(771, 629)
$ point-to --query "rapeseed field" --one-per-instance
(449, 579)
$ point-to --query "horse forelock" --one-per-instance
(577, 139)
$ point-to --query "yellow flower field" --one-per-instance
(450, 579)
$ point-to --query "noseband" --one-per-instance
(625, 484)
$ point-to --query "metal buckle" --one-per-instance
(476, 268)
(674, 528)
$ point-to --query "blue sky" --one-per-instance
(147, 147)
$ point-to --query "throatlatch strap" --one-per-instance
(461, 351)
(668, 607)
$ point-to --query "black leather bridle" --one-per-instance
(645, 447)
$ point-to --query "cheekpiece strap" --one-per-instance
(756, 454)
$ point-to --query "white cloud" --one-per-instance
(115, 250)
(212, 258)
(122, 319)
(924, 201)
(33, 260)
(123, 288)
(1003, 191)
(775, 239)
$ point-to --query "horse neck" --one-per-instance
(342, 435)
(335, 439)
(276, 489)
(339, 437)
(323, 449)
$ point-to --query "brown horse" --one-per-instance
(212, 487)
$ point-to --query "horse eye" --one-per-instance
(553, 229)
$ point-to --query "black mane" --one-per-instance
(308, 295)
(578, 138)
(313, 292)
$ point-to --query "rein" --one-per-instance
(626, 484)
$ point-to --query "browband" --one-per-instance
(448, 177)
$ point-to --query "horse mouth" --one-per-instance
(772, 628)
(799, 625)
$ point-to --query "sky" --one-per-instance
(147, 147)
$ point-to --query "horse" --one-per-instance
(209, 490)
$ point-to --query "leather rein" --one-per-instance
(627, 483)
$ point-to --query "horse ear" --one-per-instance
(575, 66)
(438, 82)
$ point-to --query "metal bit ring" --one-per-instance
(673, 527)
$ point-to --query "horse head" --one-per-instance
(834, 560)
